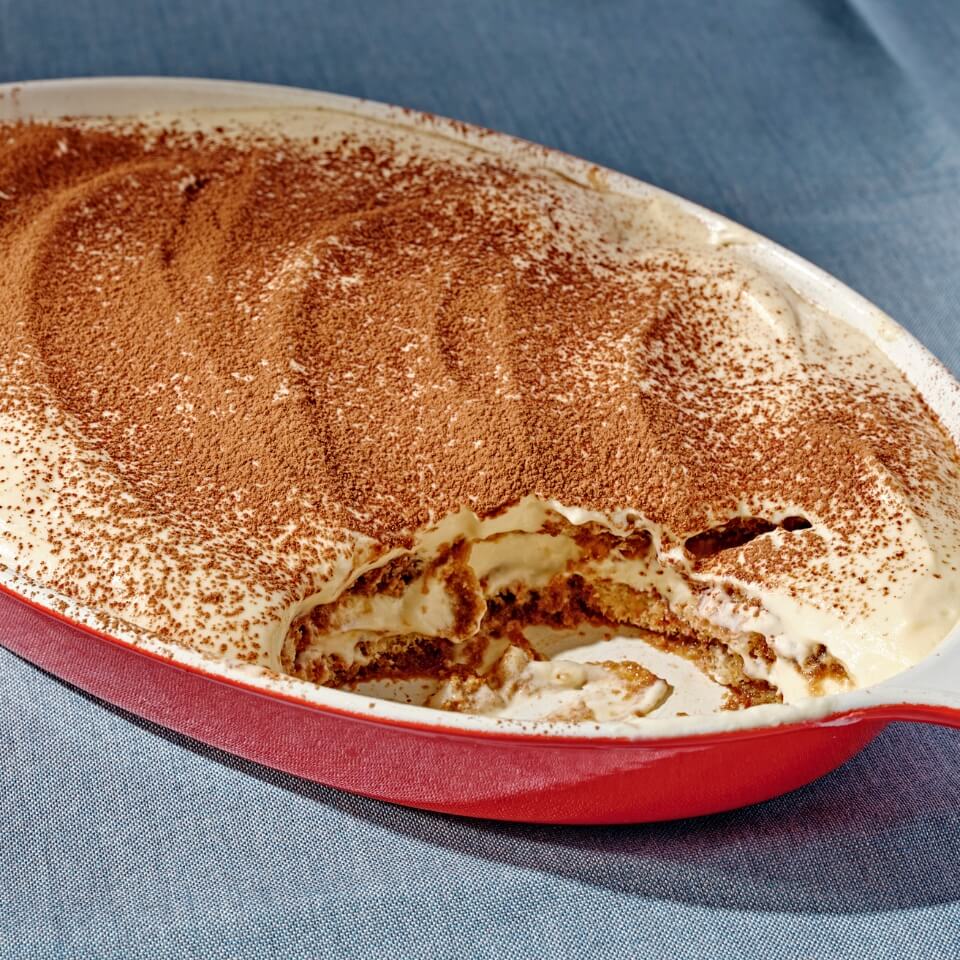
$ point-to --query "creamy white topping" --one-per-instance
(889, 602)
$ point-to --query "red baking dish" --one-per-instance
(475, 766)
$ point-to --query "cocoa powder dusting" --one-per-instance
(261, 341)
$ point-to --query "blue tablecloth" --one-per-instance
(833, 127)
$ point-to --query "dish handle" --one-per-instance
(928, 692)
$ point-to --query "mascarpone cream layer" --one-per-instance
(878, 605)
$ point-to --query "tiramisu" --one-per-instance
(367, 406)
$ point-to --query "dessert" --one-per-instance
(360, 404)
